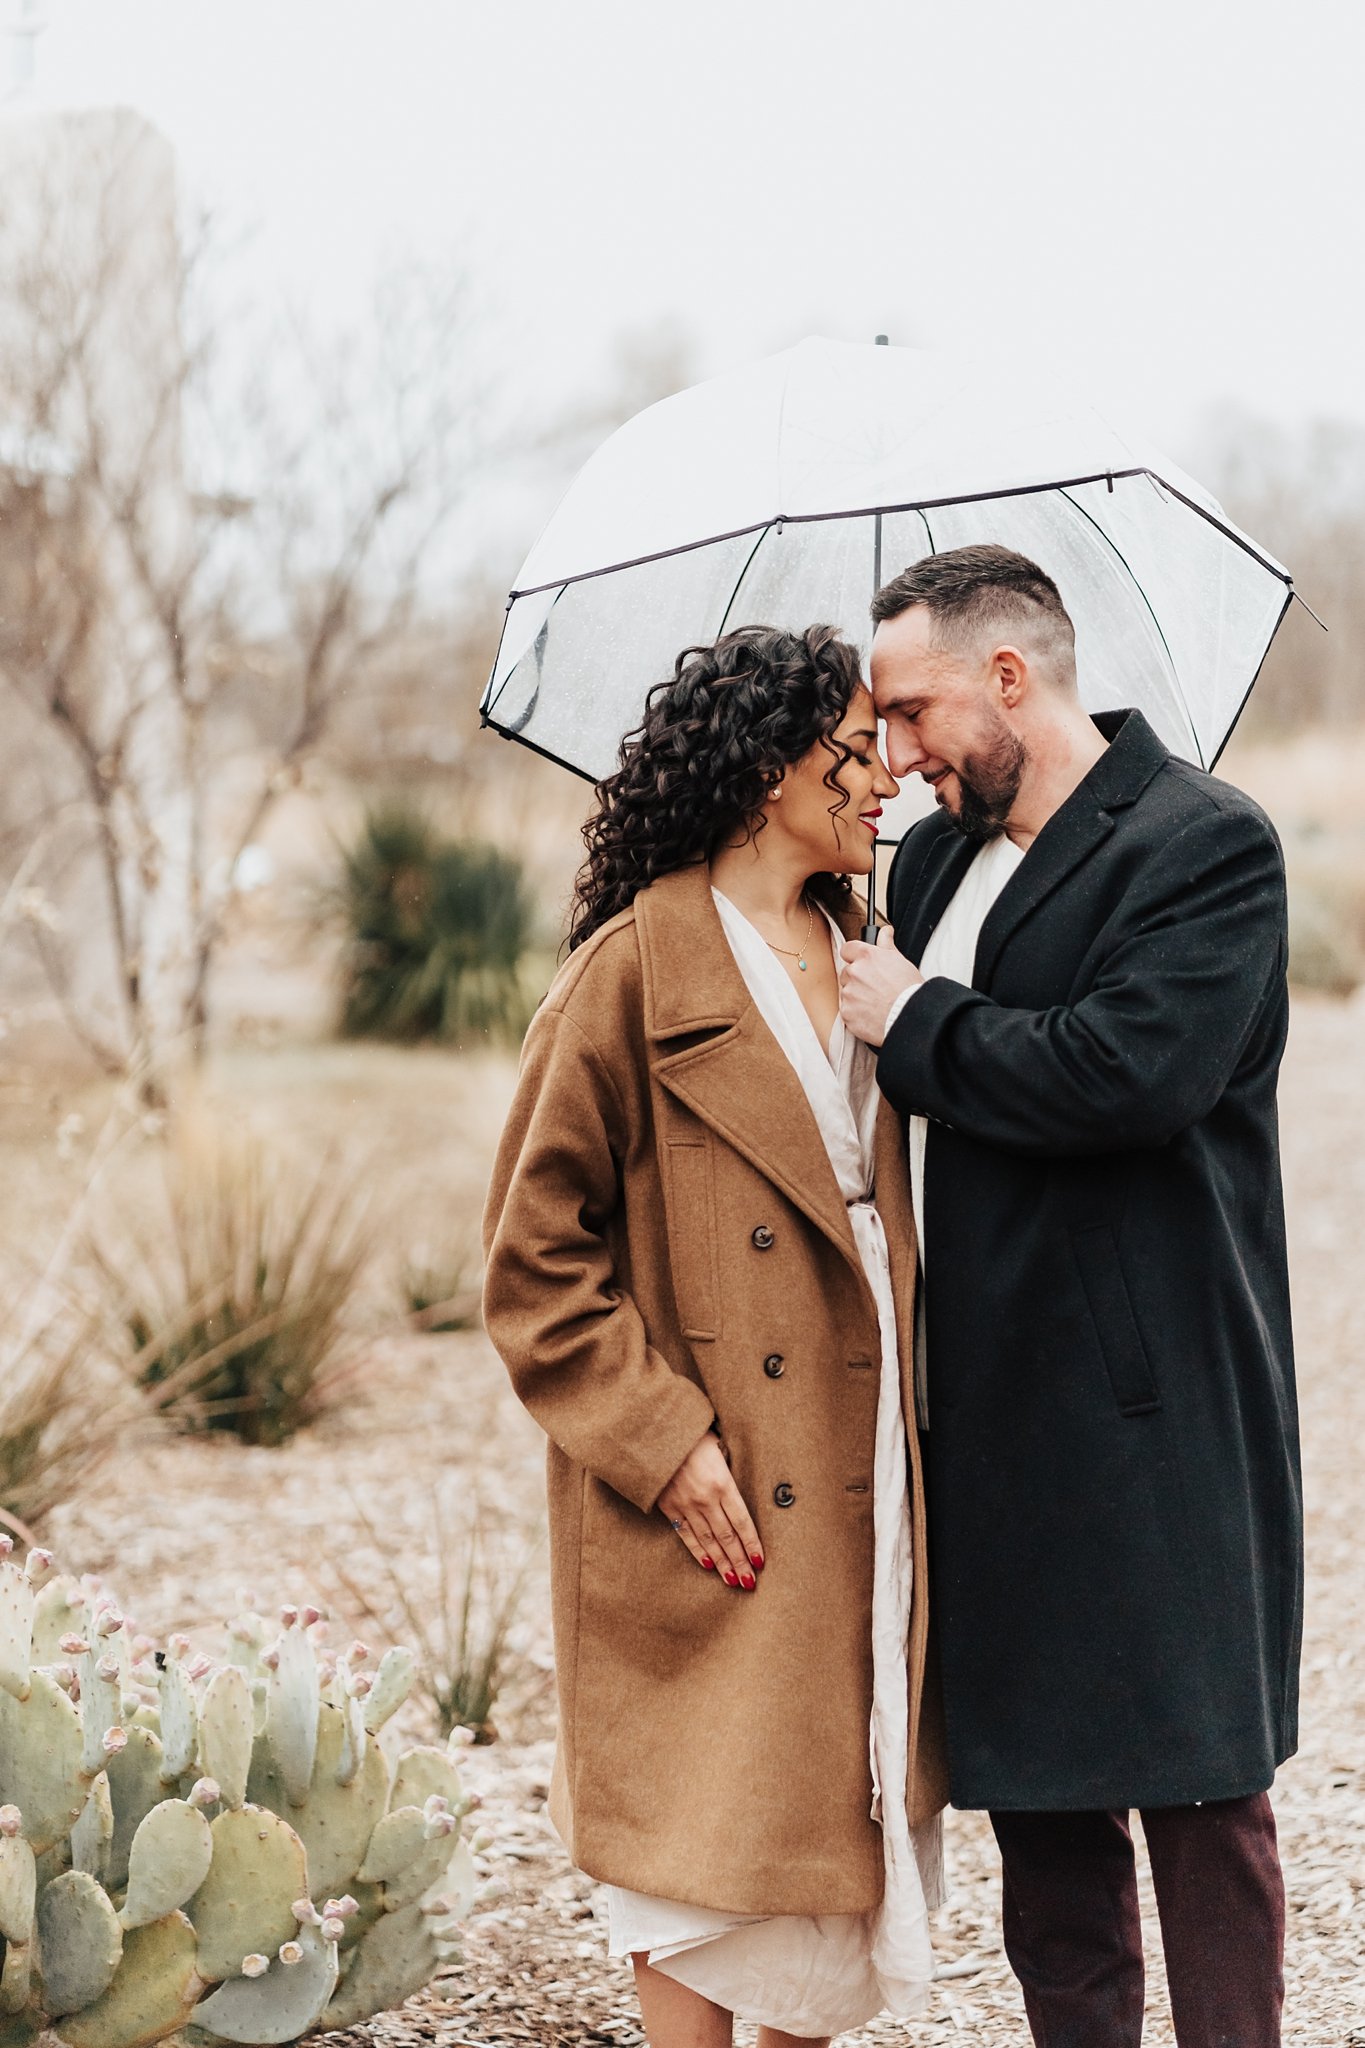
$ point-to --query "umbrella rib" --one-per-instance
(1254, 680)
(763, 533)
(1067, 483)
(490, 701)
(505, 732)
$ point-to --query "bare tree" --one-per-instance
(186, 508)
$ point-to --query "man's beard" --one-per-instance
(988, 783)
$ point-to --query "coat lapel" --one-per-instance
(921, 900)
(1069, 835)
(1072, 833)
(729, 1069)
(896, 1207)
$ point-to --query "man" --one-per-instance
(1087, 1057)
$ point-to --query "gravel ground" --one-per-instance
(179, 1527)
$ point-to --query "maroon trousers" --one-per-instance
(1074, 1940)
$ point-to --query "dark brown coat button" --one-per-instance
(763, 1238)
(773, 1365)
(784, 1495)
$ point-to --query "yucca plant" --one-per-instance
(234, 1298)
(437, 932)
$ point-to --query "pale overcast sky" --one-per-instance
(1164, 194)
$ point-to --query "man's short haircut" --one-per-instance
(969, 590)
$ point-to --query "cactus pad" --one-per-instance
(427, 1872)
(58, 1609)
(15, 1976)
(178, 1721)
(18, 1885)
(153, 1992)
(245, 1905)
(168, 1862)
(93, 1834)
(135, 1786)
(226, 1729)
(397, 1957)
(294, 1693)
(284, 2003)
(392, 1683)
(79, 1941)
(399, 1837)
(40, 1761)
(16, 1628)
(336, 1821)
(423, 1772)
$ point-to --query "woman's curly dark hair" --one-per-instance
(696, 771)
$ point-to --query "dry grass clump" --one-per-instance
(462, 1639)
(57, 1413)
(440, 1289)
(233, 1288)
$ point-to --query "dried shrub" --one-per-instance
(440, 1289)
(57, 1420)
(235, 1294)
(462, 1640)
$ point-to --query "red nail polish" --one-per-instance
(756, 1562)
(707, 1565)
(748, 1583)
(731, 1579)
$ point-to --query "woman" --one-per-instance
(699, 1301)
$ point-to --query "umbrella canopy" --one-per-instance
(784, 493)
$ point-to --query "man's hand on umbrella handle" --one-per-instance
(870, 980)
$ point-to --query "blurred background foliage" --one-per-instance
(437, 933)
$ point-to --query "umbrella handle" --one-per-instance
(870, 928)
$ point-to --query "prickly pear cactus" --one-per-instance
(216, 1844)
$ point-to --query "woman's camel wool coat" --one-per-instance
(668, 1252)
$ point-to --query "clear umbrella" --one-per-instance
(785, 492)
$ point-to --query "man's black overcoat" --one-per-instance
(1116, 1534)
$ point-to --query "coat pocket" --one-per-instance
(692, 1236)
(1111, 1310)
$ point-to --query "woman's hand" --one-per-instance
(706, 1508)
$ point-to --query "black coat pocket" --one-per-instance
(1120, 1340)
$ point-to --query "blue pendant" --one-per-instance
(802, 965)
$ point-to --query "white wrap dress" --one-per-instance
(821, 1975)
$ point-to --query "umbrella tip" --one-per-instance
(883, 341)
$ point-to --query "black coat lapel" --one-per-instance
(918, 902)
(1071, 834)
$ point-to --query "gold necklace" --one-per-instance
(800, 956)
